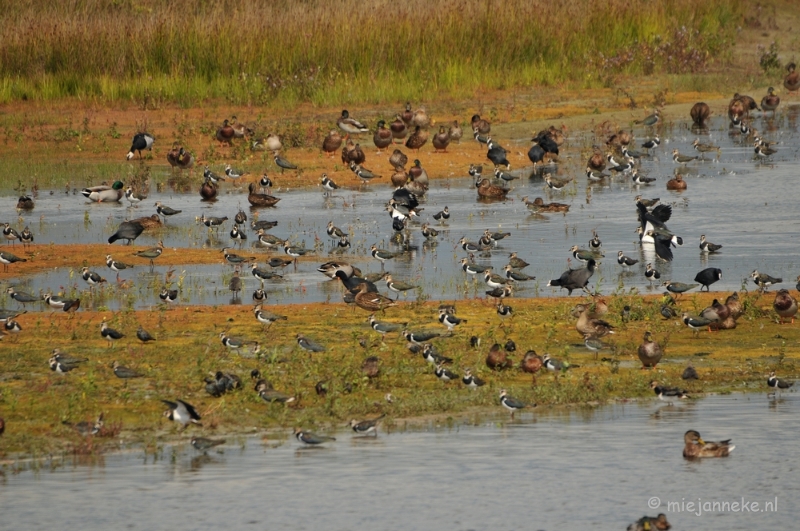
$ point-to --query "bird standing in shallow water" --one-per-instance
(311, 438)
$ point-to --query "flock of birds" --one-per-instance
(410, 187)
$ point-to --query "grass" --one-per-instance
(35, 401)
(282, 53)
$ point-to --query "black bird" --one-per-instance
(573, 279)
(689, 373)
(143, 335)
(776, 383)
(128, 230)
(109, 334)
(141, 141)
(497, 155)
(536, 154)
(662, 245)
(708, 276)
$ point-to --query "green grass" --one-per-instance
(284, 52)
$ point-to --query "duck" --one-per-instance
(597, 162)
(225, 133)
(372, 301)
(488, 190)
(421, 118)
(239, 129)
(696, 447)
(455, 132)
(417, 139)
(539, 205)
(407, 114)
(350, 125)
(480, 125)
(398, 159)
(785, 305)
(770, 102)
(104, 193)
(588, 324)
(700, 112)
(734, 305)
(649, 352)
(260, 200)
(382, 137)
(676, 183)
(792, 80)
(208, 190)
(748, 102)
(185, 159)
(25, 202)
(398, 128)
(531, 362)
(497, 358)
(149, 222)
(441, 140)
(332, 142)
(172, 155)
(353, 153)
(399, 177)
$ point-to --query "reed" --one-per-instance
(284, 52)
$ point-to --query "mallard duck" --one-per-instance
(149, 222)
(417, 139)
(172, 155)
(479, 124)
(208, 190)
(597, 162)
(418, 174)
(399, 177)
(382, 137)
(332, 142)
(421, 119)
(651, 523)
(676, 183)
(273, 142)
(695, 446)
(353, 153)
(649, 352)
(225, 133)
(748, 102)
(398, 128)
(497, 358)
(785, 305)
(260, 200)
(104, 193)
(771, 101)
(239, 129)
(441, 140)
(487, 189)
(589, 324)
(350, 125)
(25, 202)
(734, 305)
(539, 205)
(792, 80)
(736, 110)
(185, 159)
(455, 132)
(700, 112)
(398, 159)
(372, 301)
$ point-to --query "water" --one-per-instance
(579, 468)
(744, 204)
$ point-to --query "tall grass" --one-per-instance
(287, 51)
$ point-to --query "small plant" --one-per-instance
(769, 58)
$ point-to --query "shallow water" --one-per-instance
(746, 205)
(549, 469)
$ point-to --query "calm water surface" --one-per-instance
(746, 205)
(548, 469)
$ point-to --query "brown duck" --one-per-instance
(597, 161)
(225, 133)
(208, 190)
(149, 222)
(417, 139)
(785, 305)
(589, 324)
(700, 112)
(441, 140)
(398, 128)
(398, 158)
(483, 126)
(399, 177)
(539, 205)
(734, 305)
(676, 183)
(531, 363)
(696, 447)
(792, 80)
(771, 101)
(172, 155)
(382, 137)
(332, 142)
(260, 200)
(487, 189)
(497, 359)
(455, 132)
(649, 352)
(371, 301)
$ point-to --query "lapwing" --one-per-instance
(708, 247)
(311, 438)
(666, 393)
(778, 384)
(204, 444)
(625, 261)
(182, 412)
(151, 253)
(366, 427)
(449, 320)
(308, 344)
(143, 335)
(124, 372)
(140, 142)
(762, 280)
(166, 211)
(511, 403)
(168, 295)
(328, 185)
(109, 334)
(471, 381)
(91, 277)
(267, 318)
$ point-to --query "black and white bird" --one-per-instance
(555, 365)
(449, 320)
(168, 295)
(115, 265)
(511, 403)
(182, 412)
(131, 196)
(651, 273)
(763, 280)
(308, 344)
(444, 374)
(109, 334)
(666, 393)
(141, 142)
(91, 277)
(267, 318)
(708, 247)
(327, 184)
(143, 335)
(311, 438)
(366, 427)
(778, 384)
(473, 382)
(443, 215)
(625, 261)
